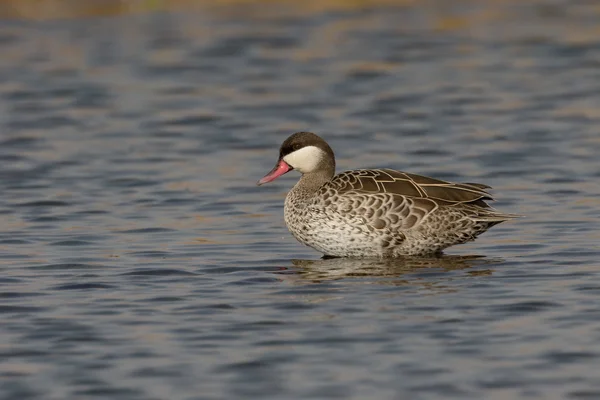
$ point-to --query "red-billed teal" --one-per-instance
(376, 212)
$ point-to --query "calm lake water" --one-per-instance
(138, 260)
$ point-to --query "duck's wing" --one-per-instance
(411, 185)
(395, 200)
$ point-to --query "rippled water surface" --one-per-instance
(140, 261)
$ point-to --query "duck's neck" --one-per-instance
(310, 183)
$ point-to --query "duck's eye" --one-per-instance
(296, 147)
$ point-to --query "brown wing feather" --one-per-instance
(477, 185)
(410, 185)
(394, 200)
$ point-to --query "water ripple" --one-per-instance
(139, 259)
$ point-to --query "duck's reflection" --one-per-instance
(397, 269)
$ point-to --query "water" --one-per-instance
(140, 261)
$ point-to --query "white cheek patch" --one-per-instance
(306, 159)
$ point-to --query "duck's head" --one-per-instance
(305, 152)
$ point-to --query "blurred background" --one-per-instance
(139, 260)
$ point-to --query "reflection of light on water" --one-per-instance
(50, 9)
(441, 16)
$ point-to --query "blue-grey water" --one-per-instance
(138, 260)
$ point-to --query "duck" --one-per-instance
(381, 213)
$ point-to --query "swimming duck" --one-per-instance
(376, 212)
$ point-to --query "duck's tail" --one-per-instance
(491, 215)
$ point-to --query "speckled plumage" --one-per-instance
(380, 212)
